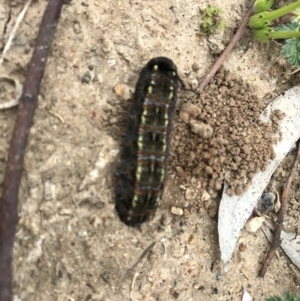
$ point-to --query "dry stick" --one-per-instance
(278, 227)
(240, 32)
(28, 103)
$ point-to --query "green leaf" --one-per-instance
(210, 20)
(291, 50)
(289, 26)
(286, 297)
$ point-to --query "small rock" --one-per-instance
(242, 247)
(194, 83)
(182, 187)
(205, 196)
(180, 171)
(113, 120)
(119, 90)
(186, 213)
(86, 78)
(176, 210)
(76, 26)
(254, 224)
(267, 201)
(277, 205)
(191, 240)
(202, 129)
(106, 44)
(195, 67)
(190, 194)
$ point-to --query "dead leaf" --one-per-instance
(234, 211)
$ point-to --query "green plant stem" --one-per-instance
(282, 11)
(263, 19)
(284, 34)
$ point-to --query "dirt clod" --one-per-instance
(188, 111)
(202, 129)
(225, 134)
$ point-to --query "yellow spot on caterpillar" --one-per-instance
(174, 73)
(152, 82)
(140, 145)
(162, 176)
(134, 201)
(166, 116)
(139, 173)
(171, 95)
(155, 68)
(164, 141)
(150, 90)
(138, 176)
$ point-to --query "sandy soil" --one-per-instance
(70, 244)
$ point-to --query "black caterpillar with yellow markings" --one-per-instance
(142, 169)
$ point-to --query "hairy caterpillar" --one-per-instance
(142, 169)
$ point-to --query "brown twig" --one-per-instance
(278, 227)
(240, 32)
(28, 103)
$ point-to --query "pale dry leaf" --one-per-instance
(246, 296)
(290, 243)
(235, 210)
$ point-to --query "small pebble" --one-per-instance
(186, 213)
(86, 78)
(267, 201)
(195, 67)
(254, 224)
(191, 240)
(119, 90)
(182, 187)
(242, 247)
(177, 210)
(205, 196)
(180, 171)
(190, 194)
